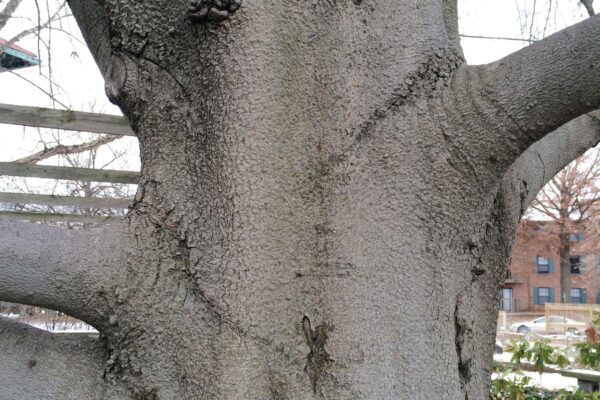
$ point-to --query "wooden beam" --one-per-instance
(57, 217)
(69, 201)
(64, 119)
(76, 174)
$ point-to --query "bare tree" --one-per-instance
(570, 200)
(328, 199)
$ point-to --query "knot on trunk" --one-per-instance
(318, 358)
(212, 10)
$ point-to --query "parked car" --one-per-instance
(558, 325)
(498, 348)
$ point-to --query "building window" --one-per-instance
(576, 296)
(576, 237)
(576, 264)
(543, 295)
(543, 265)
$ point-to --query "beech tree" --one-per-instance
(328, 199)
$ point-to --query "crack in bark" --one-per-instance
(434, 74)
(523, 195)
(464, 366)
(318, 358)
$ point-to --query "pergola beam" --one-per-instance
(77, 174)
(67, 201)
(58, 217)
(64, 119)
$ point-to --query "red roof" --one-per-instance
(18, 48)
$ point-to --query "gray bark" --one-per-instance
(320, 213)
(39, 365)
(525, 95)
(7, 12)
(588, 6)
(545, 158)
(64, 270)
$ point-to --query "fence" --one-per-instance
(66, 120)
(584, 313)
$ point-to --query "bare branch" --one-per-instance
(35, 30)
(39, 365)
(8, 11)
(513, 39)
(32, 83)
(588, 6)
(538, 206)
(64, 150)
(45, 266)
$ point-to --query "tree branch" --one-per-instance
(35, 30)
(93, 22)
(8, 11)
(39, 365)
(59, 269)
(544, 159)
(588, 6)
(527, 94)
(65, 150)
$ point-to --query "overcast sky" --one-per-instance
(80, 87)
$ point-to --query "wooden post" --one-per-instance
(76, 174)
(68, 201)
(58, 217)
(65, 119)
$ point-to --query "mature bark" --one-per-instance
(527, 94)
(321, 212)
(64, 270)
(38, 365)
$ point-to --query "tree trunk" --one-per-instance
(318, 215)
(564, 239)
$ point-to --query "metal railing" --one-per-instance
(511, 277)
(509, 304)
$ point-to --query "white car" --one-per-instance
(557, 324)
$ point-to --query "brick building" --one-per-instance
(533, 277)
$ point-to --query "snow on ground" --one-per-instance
(549, 381)
(61, 327)
(54, 326)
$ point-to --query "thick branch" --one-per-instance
(528, 94)
(544, 159)
(588, 6)
(56, 268)
(65, 150)
(39, 365)
(451, 21)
